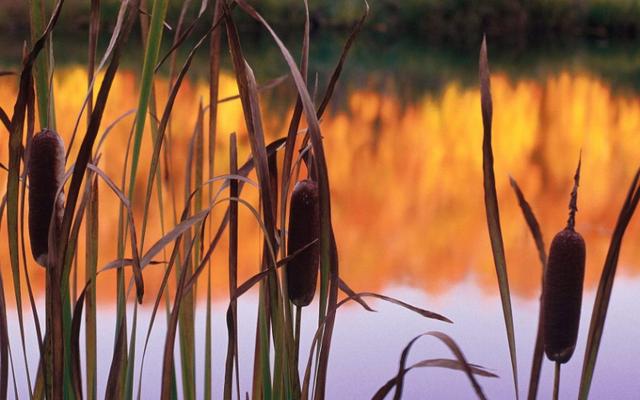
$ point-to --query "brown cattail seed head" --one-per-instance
(46, 174)
(304, 228)
(562, 295)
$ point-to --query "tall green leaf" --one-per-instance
(91, 261)
(146, 79)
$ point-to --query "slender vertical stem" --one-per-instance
(296, 336)
(556, 382)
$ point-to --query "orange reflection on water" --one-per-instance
(406, 179)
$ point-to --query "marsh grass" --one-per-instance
(191, 235)
(186, 246)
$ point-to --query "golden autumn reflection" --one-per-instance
(406, 178)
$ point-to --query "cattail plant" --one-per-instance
(46, 174)
(562, 291)
(304, 228)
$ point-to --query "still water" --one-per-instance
(406, 182)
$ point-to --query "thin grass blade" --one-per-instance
(232, 343)
(534, 227)
(493, 213)
(214, 80)
(432, 363)
(91, 261)
(4, 344)
(460, 363)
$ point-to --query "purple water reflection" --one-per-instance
(367, 346)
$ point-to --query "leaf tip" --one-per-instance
(485, 82)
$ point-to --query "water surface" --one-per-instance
(406, 181)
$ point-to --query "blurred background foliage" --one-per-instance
(456, 20)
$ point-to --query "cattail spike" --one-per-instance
(46, 174)
(304, 228)
(562, 287)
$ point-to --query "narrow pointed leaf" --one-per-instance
(493, 213)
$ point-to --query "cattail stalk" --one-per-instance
(46, 174)
(562, 291)
(556, 381)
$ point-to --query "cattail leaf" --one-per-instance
(431, 363)
(492, 209)
(172, 326)
(4, 344)
(190, 283)
(186, 314)
(534, 228)
(252, 281)
(177, 35)
(351, 293)
(451, 344)
(398, 380)
(251, 109)
(6, 121)
(94, 29)
(23, 194)
(332, 311)
(232, 343)
(214, 81)
(137, 270)
(164, 121)
(262, 87)
(114, 383)
(114, 44)
(76, 376)
(182, 35)
(532, 222)
(605, 286)
(417, 310)
(91, 261)
(91, 227)
(335, 75)
(153, 41)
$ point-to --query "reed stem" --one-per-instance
(296, 335)
(556, 381)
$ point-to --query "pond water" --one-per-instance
(403, 142)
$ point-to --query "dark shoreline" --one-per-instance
(455, 22)
(420, 66)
